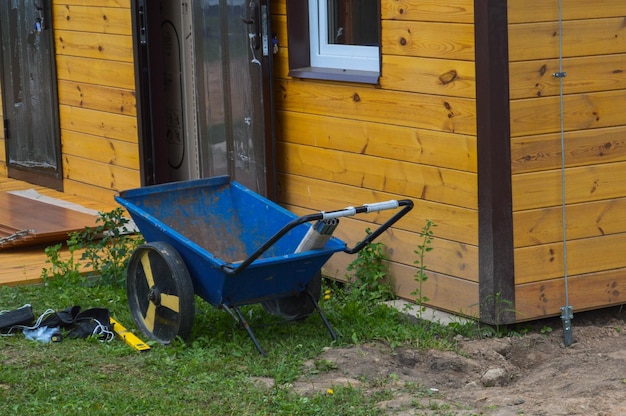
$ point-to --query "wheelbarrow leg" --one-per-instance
(319, 310)
(246, 326)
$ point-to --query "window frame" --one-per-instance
(300, 44)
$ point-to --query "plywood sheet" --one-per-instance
(25, 221)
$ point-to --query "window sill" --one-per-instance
(330, 74)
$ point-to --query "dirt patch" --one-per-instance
(533, 374)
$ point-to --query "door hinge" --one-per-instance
(6, 129)
(141, 11)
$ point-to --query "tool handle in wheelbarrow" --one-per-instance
(407, 205)
(380, 206)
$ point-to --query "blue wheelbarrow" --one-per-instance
(232, 247)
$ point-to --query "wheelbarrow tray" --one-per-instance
(215, 223)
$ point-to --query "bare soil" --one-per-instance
(533, 374)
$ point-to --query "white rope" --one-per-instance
(37, 324)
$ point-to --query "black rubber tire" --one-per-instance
(297, 306)
(160, 292)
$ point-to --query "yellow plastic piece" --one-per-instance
(130, 338)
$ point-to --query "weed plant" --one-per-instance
(107, 249)
(369, 280)
(426, 234)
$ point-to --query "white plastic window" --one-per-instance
(343, 35)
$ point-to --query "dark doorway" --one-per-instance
(29, 92)
(204, 93)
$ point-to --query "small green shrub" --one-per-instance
(107, 249)
(369, 281)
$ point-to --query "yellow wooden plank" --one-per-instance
(278, 7)
(591, 219)
(110, 151)
(94, 45)
(94, 3)
(580, 112)
(96, 71)
(453, 223)
(588, 291)
(526, 11)
(582, 184)
(583, 147)
(588, 255)
(98, 174)
(448, 150)
(447, 186)
(102, 195)
(112, 20)
(428, 39)
(97, 97)
(365, 103)
(453, 11)
(98, 123)
(532, 41)
(444, 292)
(428, 76)
(585, 74)
(25, 266)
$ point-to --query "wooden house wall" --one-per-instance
(412, 136)
(96, 83)
(594, 59)
(3, 161)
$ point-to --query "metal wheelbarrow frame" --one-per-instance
(230, 246)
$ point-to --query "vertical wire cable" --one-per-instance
(562, 109)
(566, 311)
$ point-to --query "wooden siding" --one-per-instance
(3, 159)
(412, 136)
(594, 59)
(97, 108)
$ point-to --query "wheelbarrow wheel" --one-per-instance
(297, 306)
(160, 292)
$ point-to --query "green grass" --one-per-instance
(212, 373)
